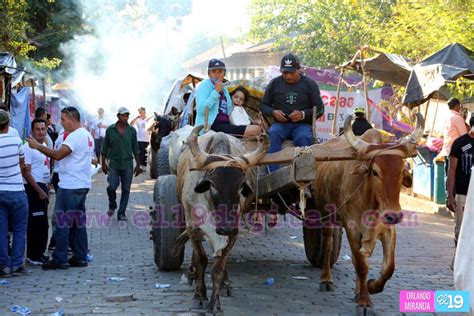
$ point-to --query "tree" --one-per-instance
(324, 32)
(419, 29)
(13, 14)
(328, 32)
(51, 23)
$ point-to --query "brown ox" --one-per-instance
(370, 184)
(213, 195)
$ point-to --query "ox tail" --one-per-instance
(180, 243)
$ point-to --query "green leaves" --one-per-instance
(326, 33)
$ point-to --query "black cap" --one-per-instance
(289, 63)
(215, 64)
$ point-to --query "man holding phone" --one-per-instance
(289, 99)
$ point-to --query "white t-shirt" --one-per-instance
(39, 164)
(57, 145)
(142, 134)
(13, 132)
(75, 168)
(100, 131)
(11, 150)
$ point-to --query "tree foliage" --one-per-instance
(418, 29)
(323, 32)
(51, 23)
(328, 32)
(13, 39)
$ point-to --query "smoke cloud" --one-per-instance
(136, 49)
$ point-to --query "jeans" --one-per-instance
(114, 178)
(300, 133)
(13, 208)
(70, 213)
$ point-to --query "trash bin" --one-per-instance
(439, 189)
(423, 173)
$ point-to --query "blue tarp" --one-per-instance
(20, 111)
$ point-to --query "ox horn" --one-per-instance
(198, 154)
(254, 157)
(353, 140)
(415, 136)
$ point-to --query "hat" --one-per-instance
(4, 117)
(215, 64)
(123, 110)
(289, 63)
(359, 110)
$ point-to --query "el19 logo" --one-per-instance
(452, 301)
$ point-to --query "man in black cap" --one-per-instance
(289, 99)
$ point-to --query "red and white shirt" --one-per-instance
(75, 168)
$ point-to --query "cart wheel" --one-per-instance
(313, 244)
(152, 164)
(168, 224)
(162, 162)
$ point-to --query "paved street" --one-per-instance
(423, 257)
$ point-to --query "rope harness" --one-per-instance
(391, 150)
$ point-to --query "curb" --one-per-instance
(421, 205)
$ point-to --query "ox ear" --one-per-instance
(246, 189)
(360, 169)
(407, 179)
(203, 186)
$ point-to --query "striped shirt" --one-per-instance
(11, 150)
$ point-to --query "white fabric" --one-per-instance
(463, 272)
(75, 168)
(57, 145)
(100, 131)
(11, 150)
(239, 116)
(142, 134)
(39, 164)
(13, 132)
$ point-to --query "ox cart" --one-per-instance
(290, 181)
(284, 187)
(354, 182)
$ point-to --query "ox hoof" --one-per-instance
(372, 286)
(227, 291)
(326, 287)
(214, 309)
(365, 311)
(199, 304)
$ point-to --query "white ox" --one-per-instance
(213, 195)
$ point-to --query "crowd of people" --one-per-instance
(58, 159)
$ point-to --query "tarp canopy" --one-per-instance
(389, 68)
(428, 79)
(9, 67)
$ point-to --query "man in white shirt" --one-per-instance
(13, 201)
(143, 135)
(100, 125)
(38, 165)
(75, 157)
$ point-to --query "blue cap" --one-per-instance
(215, 64)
